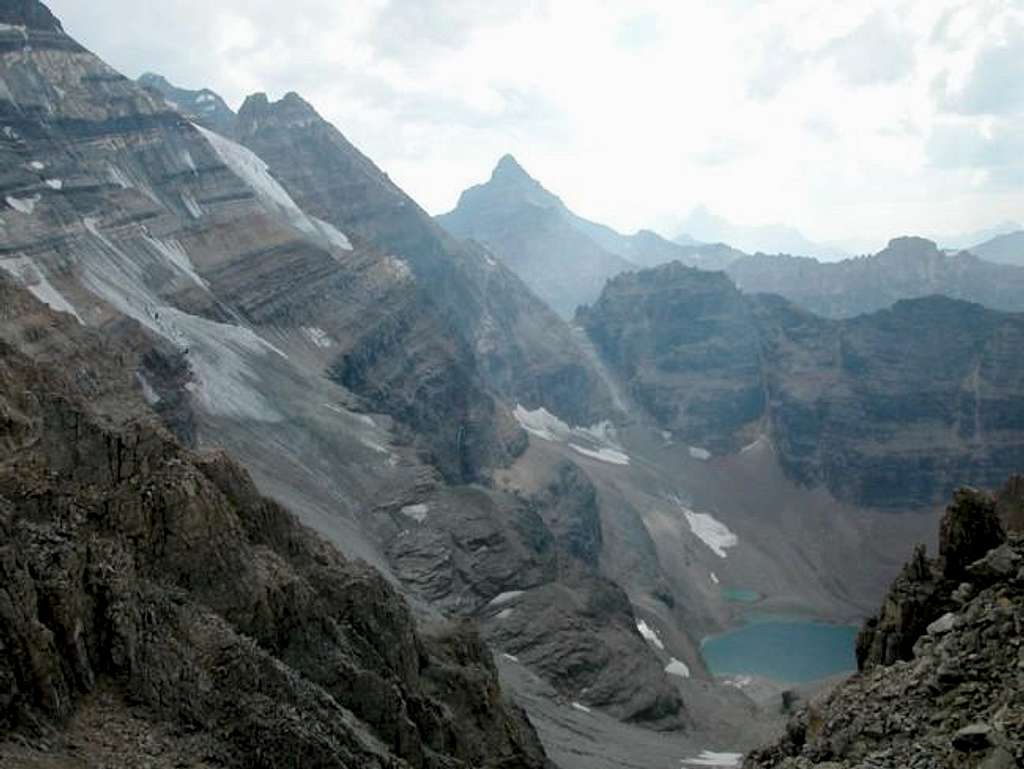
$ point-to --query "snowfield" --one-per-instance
(712, 532)
(712, 758)
(649, 634)
(611, 456)
(677, 668)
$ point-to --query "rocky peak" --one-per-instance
(202, 106)
(291, 111)
(909, 247)
(29, 13)
(509, 169)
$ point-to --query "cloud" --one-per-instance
(816, 113)
(879, 50)
(993, 86)
(995, 147)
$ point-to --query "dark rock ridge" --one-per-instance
(893, 409)
(908, 268)
(132, 565)
(564, 258)
(942, 667)
(29, 13)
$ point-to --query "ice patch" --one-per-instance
(580, 707)
(317, 336)
(698, 453)
(24, 270)
(714, 578)
(332, 234)
(542, 424)
(713, 758)
(503, 598)
(23, 205)
(650, 634)
(417, 512)
(677, 668)
(712, 532)
(55, 184)
(510, 657)
(611, 456)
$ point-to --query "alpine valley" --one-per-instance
(294, 474)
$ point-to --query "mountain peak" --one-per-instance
(508, 168)
(290, 110)
(29, 13)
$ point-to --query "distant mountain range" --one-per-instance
(1002, 249)
(563, 257)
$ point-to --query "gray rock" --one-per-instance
(999, 563)
(943, 624)
(999, 758)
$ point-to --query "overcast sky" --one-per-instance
(850, 120)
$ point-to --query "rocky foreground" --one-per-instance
(942, 665)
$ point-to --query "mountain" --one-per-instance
(940, 661)
(149, 589)
(1002, 249)
(964, 240)
(708, 227)
(203, 106)
(564, 258)
(907, 268)
(889, 409)
(294, 308)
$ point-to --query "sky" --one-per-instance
(854, 121)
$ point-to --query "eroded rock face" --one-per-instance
(950, 693)
(969, 529)
(130, 562)
(890, 410)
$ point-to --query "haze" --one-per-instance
(853, 122)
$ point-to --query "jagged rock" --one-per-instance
(956, 701)
(973, 738)
(943, 624)
(969, 529)
(998, 564)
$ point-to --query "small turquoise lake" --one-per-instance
(788, 651)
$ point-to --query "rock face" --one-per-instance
(300, 312)
(201, 106)
(892, 409)
(907, 268)
(132, 565)
(952, 694)
(564, 258)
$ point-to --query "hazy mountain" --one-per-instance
(964, 240)
(564, 258)
(907, 268)
(1002, 249)
(708, 227)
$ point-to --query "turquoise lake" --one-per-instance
(782, 650)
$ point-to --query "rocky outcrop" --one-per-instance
(890, 410)
(130, 564)
(907, 268)
(953, 693)
(201, 106)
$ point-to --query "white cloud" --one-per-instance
(816, 113)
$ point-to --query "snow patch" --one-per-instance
(417, 512)
(751, 446)
(317, 336)
(504, 614)
(186, 158)
(714, 579)
(333, 235)
(650, 634)
(25, 271)
(503, 598)
(510, 657)
(677, 668)
(203, 98)
(148, 393)
(713, 758)
(23, 205)
(580, 707)
(175, 253)
(35, 165)
(611, 456)
(55, 184)
(698, 453)
(119, 177)
(190, 205)
(738, 682)
(712, 532)
(542, 424)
